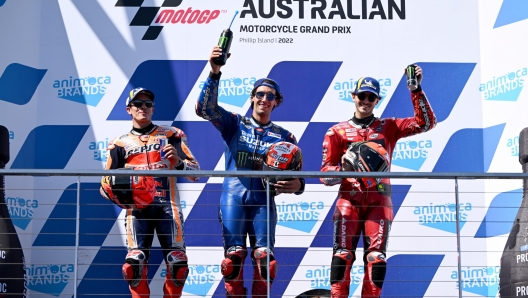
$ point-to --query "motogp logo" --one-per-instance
(146, 15)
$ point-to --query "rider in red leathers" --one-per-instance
(359, 208)
(140, 149)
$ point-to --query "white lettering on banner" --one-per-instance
(343, 233)
(498, 85)
(336, 241)
(480, 282)
(2, 254)
(442, 213)
(380, 234)
(320, 278)
(522, 258)
(3, 287)
(521, 291)
(474, 278)
(251, 140)
(90, 90)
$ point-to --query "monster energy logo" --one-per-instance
(242, 158)
(222, 42)
(410, 71)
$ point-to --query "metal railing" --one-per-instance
(456, 177)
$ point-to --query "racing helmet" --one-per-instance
(366, 157)
(281, 156)
(136, 192)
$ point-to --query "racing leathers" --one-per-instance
(366, 210)
(243, 201)
(140, 150)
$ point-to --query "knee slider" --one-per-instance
(341, 263)
(233, 262)
(261, 258)
(134, 267)
(377, 267)
(178, 268)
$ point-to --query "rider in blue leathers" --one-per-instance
(243, 208)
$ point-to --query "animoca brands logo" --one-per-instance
(146, 15)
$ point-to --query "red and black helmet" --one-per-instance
(366, 157)
(281, 156)
(136, 192)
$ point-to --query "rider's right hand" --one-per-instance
(217, 52)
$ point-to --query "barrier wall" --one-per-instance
(67, 67)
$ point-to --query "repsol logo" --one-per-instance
(506, 87)
(513, 146)
(143, 149)
(325, 9)
(482, 281)
(234, 91)
(99, 150)
(87, 90)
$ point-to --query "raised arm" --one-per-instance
(424, 118)
(207, 104)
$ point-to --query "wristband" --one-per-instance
(419, 89)
(215, 76)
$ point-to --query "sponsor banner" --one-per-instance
(66, 71)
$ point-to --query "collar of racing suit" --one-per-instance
(263, 125)
(143, 131)
(363, 123)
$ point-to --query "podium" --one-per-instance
(514, 261)
(12, 262)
